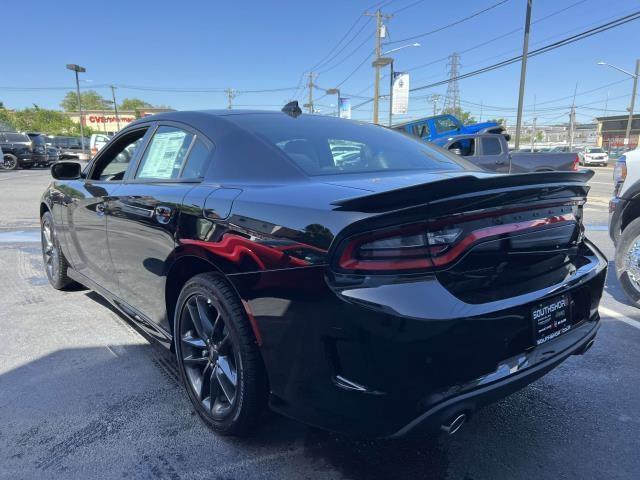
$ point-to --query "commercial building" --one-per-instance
(106, 121)
(612, 130)
(583, 134)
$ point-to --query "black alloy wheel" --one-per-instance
(55, 263)
(10, 162)
(219, 360)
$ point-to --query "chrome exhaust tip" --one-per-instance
(454, 424)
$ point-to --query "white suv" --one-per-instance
(595, 156)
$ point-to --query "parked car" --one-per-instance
(380, 294)
(595, 156)
(97, 141)
(624, 223)
(439, 126)
(70, 148)
(491, 152)
(17, 150)
(40, 154)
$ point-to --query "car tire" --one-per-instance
(10, 162)
(628, 255)
(55, 263)
(218, 356)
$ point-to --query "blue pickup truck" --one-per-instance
(431, 128)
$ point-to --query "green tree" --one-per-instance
(52, 122)
(539, 136)
(463, 116)
(91, 100)
(134, 104)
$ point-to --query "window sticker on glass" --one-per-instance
(166, 154)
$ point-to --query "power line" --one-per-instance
(547, 48)
(457, 22)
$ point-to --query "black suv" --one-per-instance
(40, 155)
(17, 149)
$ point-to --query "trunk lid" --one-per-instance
(485, 237)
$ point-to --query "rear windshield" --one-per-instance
(16, 137)
(594, 150)
(325, 145)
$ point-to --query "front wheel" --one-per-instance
(55, 263)
(628, 261)
(10, 162)
(218, 357)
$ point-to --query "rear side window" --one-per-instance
(165, 155)
(491, 146)
(197, 161)
(16, 137)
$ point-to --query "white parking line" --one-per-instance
(607, 312)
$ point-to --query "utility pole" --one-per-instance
(481, 106)
(604, 116)
(572, 118)
(627, 135)
(523, 72)
(311, 86)
(231, 94)
(379, 35)
(115, 105)
(434, 98)
(533, 130)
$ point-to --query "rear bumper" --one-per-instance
(383, 358)
(508, 378)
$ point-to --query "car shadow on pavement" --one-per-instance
(612, 285)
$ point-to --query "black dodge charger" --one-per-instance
(342, 273)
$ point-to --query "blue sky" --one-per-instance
(258, 45)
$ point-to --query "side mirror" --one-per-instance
(455, 151)
(66, 170)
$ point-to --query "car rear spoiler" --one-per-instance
(468, 185)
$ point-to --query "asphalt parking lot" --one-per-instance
(83, 394)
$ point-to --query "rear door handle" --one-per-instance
(162, 214)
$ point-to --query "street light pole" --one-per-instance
(391, 93)
(335, 91)
(632, 104)
(627, 136)
(78, 69)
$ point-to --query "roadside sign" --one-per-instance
(345, 108)
(400, 93)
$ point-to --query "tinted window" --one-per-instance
(491, 146)
(594, 150)
(197, 161)
(165, 154)
(445, 124)
(325, 145)
(16, 137)
(38, 140)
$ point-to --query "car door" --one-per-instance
(492, 155)
(142, 216)
(85, 216)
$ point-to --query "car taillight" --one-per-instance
(406, 248)
(439, 243)
(576, 163)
